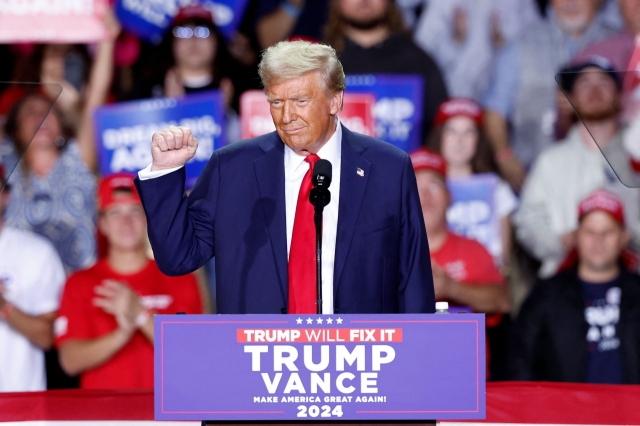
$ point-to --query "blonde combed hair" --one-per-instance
(287, 60)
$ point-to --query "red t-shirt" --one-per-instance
(467, 261)
(78, 318)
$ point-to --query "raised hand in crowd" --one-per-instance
(98, 88)
(277, 25)
(172, 147)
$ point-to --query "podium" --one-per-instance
(320, 368)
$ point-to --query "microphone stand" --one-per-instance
(320, 197)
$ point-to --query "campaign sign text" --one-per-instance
(124, 130)
(319, 367)
(398, 108)
(255, 114)
(149, 19)
(472, 212)
(77, 21)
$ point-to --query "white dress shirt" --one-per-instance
(294, 170)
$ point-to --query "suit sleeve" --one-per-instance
(525, 335)
(181, 227)
(416, 294)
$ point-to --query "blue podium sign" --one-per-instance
(319, 367)
(123, 130)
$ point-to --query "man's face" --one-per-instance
(302, 111)
(125, 226)
(600, 240)
(595, 95)
(363, 14)
(434, 198)
(630, 12)
(574, 15)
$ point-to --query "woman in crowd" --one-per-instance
(193, 57)
(458, 136)
(53, 187)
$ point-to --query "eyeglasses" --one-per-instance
(188, 32)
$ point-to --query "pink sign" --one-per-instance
(78, 21)
(256, 120)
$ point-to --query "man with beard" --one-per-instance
(566, 173)
(371, 38)
(521, 103)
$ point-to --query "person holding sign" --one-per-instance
(250, 206)
(463, 271)
(459, 136)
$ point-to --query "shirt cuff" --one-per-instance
(146, 173)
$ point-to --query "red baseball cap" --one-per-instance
(458, 106)
(107, 191)
(426, 159)
(605, 201)
(194, 11)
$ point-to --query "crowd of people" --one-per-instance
(532, 93)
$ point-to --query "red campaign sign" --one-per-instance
(319, 335)
(256, 120)
(78, 21)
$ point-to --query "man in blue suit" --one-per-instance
(250, 206)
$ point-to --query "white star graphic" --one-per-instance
(339, 321)
(309, 321)
(319, 320)
(299, 321)
(329, 320)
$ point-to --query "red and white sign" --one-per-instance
(77, 21)
(255, 117)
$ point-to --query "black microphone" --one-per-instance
(319, 197)
(321, 177)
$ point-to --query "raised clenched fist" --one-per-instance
(172, 147)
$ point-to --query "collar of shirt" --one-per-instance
(331, 151)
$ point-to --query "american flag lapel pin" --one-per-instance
(360, 172)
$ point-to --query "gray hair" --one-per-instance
(292, 59)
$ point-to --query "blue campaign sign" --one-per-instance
(472, 212)
(398, 108)
(149, 19)
(123, 130)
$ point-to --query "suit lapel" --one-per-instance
(354, 176)
(269, 170)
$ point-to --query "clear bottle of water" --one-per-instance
(442, 307)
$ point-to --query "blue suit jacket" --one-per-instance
(237, 213)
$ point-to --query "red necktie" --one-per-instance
(302, 253)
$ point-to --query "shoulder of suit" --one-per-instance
(248, 146)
